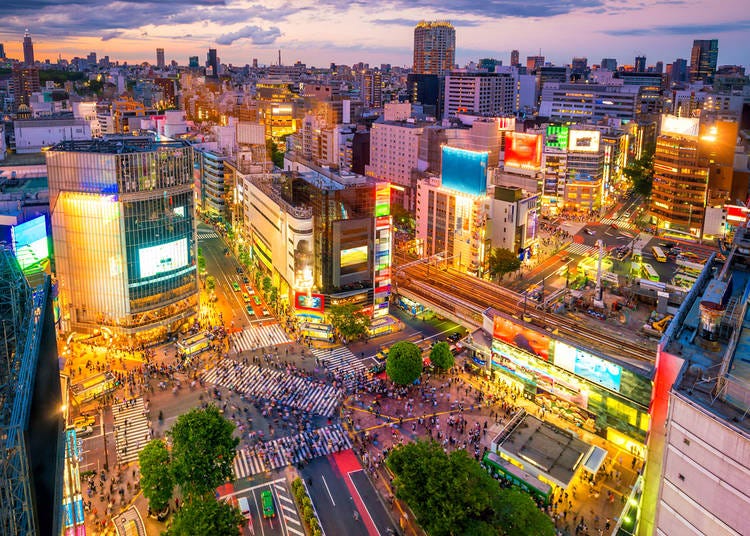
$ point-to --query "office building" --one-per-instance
(371, 88)
(212, 63)
(193, 62)
(215, 191)
(124, 236)
(609, 63)
(703, 58)
(28, 49)
(533, 63)
(434, 47)
(579, 67)
(2, 51)
(588, 102)
(160, 64)
(479, 93)
(679, 72)
(425, 89)
(640, 64)
(25, 80)
(515, 59)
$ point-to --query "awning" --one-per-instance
(594, 459)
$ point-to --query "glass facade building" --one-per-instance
(124, 235)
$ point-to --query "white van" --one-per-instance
(244, 506)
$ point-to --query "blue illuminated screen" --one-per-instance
(30, 242)
(464, 171)
(588, 366)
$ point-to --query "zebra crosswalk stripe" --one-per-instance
(131, 429)
(580, 249)
(283, 451)
(205, 235)
(256, 337)
(341, 361)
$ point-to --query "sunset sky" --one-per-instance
(318, 32)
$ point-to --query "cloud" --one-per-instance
(256, 34)
(413, 22)
(106, 36)
(684, 29)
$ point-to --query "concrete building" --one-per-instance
(434, 47)
(124, 236)
(479, 93)
(28, 49)
(160, 63)
(214, 198)
(33, 135)
(588, 103)
(703, 58)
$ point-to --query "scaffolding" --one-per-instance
(22, 311)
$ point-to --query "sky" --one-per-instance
(318, 32)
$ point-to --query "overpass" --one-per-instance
(453, 308)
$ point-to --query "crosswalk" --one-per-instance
(625, 225)
(341, 361)
(131, 429)
(580, 249)
(289, 450)
(284, 388)
(206, 235)
(287, 510)
(256, 337)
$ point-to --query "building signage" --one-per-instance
(309, 302)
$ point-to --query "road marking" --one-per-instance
(328, 490)
(349, 475)
(252, 488)
(295, 531)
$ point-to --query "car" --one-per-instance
(245, 297)
(266, 313)
(239, 269)
(589, 232)
(245, 279)
(249, 309)
(266, 499)
(83, 421)
(244, 507)
(236, 286)
(84, 431)
(256, 299)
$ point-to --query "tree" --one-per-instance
(451, 494)
(441, 356)
(203, 450)
(402, 218)
(276, 156)
(210, 282)
(404, 363)
(503, 261)
(156, 478)
(206, 515)
(349, 321)
(267, 284)
(640, 172)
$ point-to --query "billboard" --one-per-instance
(464, 171)
(521, 337)
(382, 199)
(353, 256)
(557, 136)
(584, 141)
(30, 243)
(523, 150)
(156, 260)
(588, 366)
(312, 302)
(686, 127)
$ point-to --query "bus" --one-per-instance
(659, 254)
(193, 345)
(649, 273)
(314, 330)
(515, 476)
(93, 388)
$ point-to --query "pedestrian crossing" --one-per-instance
(131, 429)
(580, 249)
(283, 388)
(289, 450)
(206, 235)
(625, 225)
(256, 337)
(287, 509)
(342, 362)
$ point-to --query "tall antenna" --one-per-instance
(279, 57)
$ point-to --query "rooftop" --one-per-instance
(117, 145)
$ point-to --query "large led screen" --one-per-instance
(557, 136)
(584, 141)
(30, 242)
(464, 171)
(521, 337)
(156, 260)
(672, 125)
(588, 366)
(313, 302)
(353, 256)
(523, 150)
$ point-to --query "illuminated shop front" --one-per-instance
(594, 393)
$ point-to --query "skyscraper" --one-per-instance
(160, 58)
(515, 59)
(2, 52)
(609, 63)
(640, 64)
(703, 59)
(25, 81)
(679, 70)
(434, 47)
(212, 62)
(533, 63)
(28, 49)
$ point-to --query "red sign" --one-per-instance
(523, 150)
(312, 302)
(521, 337)
(384, 288)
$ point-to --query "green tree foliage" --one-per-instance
(349, 321)
(451, 494)
(404, 363)
(441, 356)
(402, 218)
(640, 172)
(267, 285)
(276, 155)
(210, 282)
(503, 261)
(206, 515)
(156, 478)
(203, 450)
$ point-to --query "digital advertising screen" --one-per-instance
(521, 337)
(671, 125)
(313, 302)
(156, 260)
(557, 136)
(588, 366)
(584, 141)
(523, 150)
(464, 171)
(30, 243)
(353, 256)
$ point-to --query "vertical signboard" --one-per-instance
(382, 248)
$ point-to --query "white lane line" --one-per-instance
(328, 490)
(349, 475)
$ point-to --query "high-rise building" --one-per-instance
(212, 62)
(579, 66)
(193, 62)
(479, 93)
(703, 58)
(25, 82)
(640, 64)
(609, 63)
(123, 223)
(160, 63)
(371, 87)
(2, 52)
(434, 47)
(28, 49)
(425, 89)
(533, 63)
(515, 59)
(679, 71)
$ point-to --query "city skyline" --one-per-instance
(349, 32)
